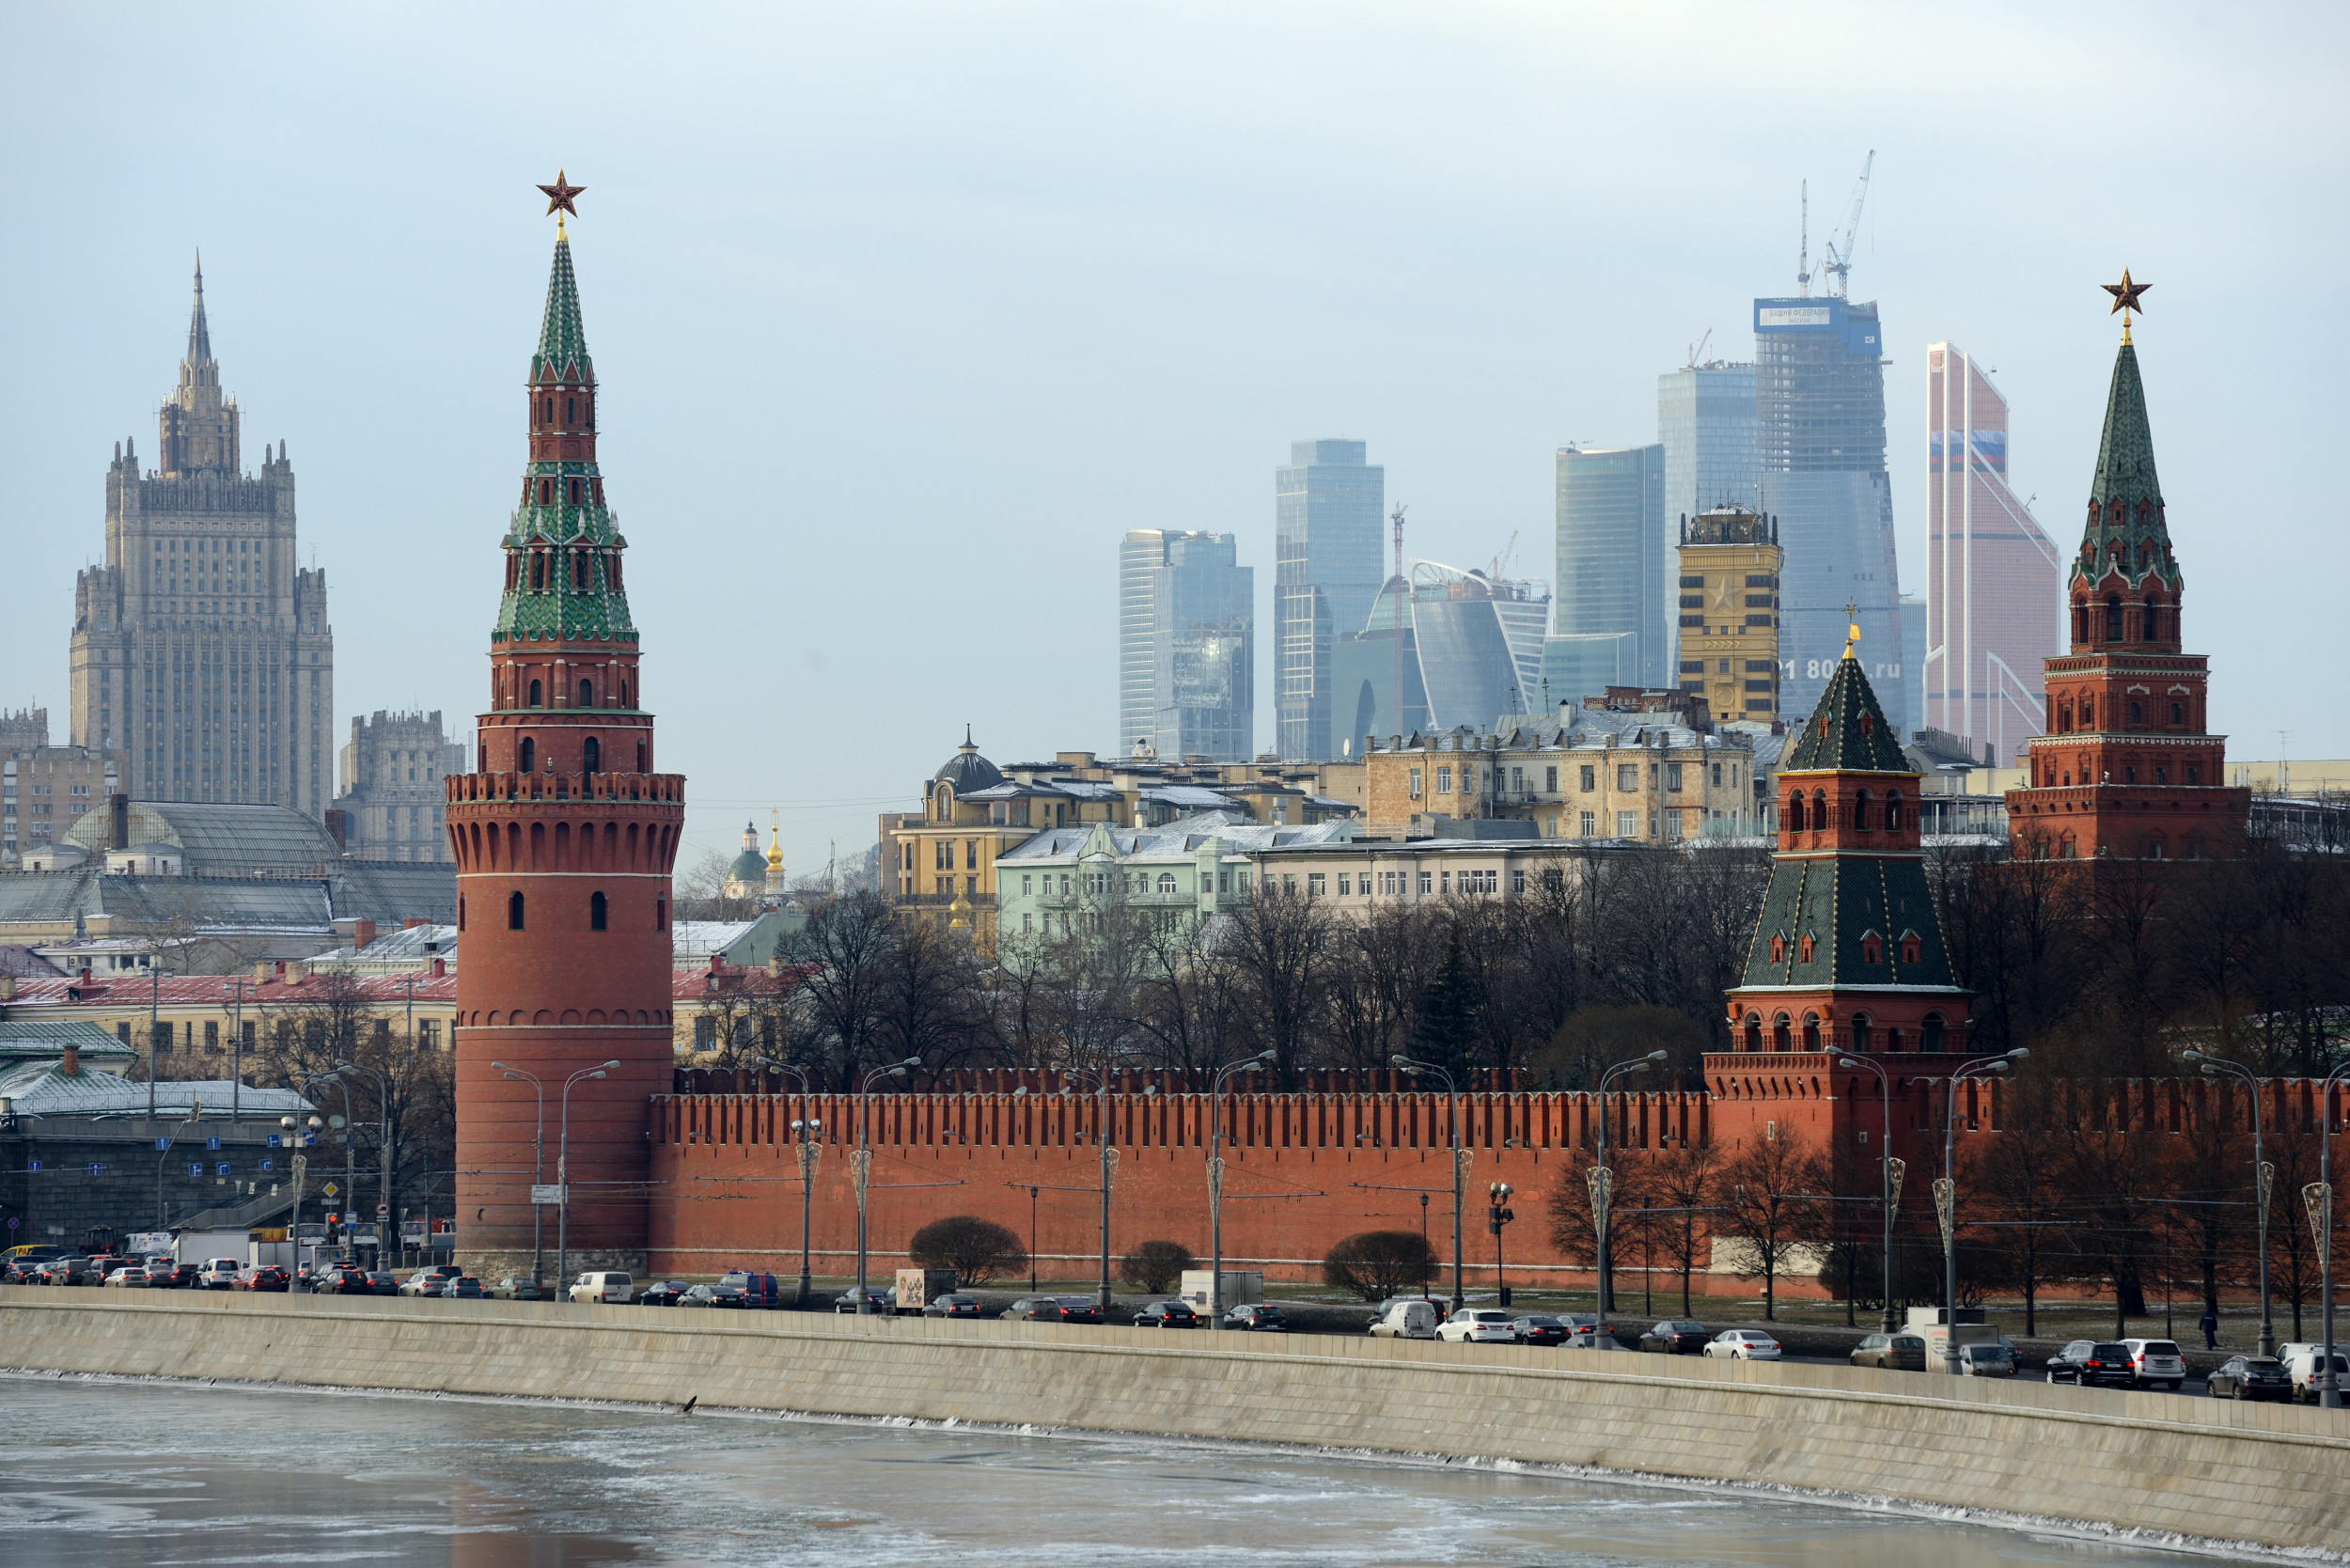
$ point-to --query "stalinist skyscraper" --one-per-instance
(201, 646)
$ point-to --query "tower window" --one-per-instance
(599, 913)
(2178, 714)
(660, 914)
(2113, 621)
(571, 416)
(546, 492)
(592, 756)
(529, 755)
(587, 693)
(574, 487)
(539, 569)
(513, 912)
(640, 757)
(536, 696)
(1893, 812)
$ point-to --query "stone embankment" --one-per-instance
(2275, 1475)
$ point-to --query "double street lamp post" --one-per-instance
(2320, 1200)
(383, 1136)
(861, 1163)
(1602, 1181)
(1453, 1092)
(803, 1130)
(563, 1181)
(1215, 1181)
(1885, 1161)
(2263, 1178)
(1946, 1190)
(537, 1173)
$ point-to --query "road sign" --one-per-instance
(269, 1165)
(11, 1222)
(383, 1211)
(211, 1143)
(196, 1168)
(163, 1143)
(32, 1165)
(331, 1189)
(96, 1169)
(546, 1192)
(273, 1139)
(221, 1169)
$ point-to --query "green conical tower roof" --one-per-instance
(562, 338)
(1847, 731)
(2136, 542)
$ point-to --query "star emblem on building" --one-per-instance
(2125, 293)
(559, 198)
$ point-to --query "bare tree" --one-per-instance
(1277, 944)
(1769, 1196)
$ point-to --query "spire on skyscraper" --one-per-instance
(199, 334)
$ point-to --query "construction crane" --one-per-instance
(1502, 562)
(1839, 263)
(1398, 520)
(1697, 348)
(1803, 247)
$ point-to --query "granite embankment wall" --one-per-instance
(2275, 1475)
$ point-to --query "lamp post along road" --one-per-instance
(1946, 1190)
(861, 1162)
(1884, 1164)
(1497, 1214)
(537, 1173)
(1454, 1094)
(2320, 1198)
(1602, 1182)
(802, 1129)
(2264, 1178)
(1216, 1182)
(563, 1183)
(383, 1136)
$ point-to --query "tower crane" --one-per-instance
(1839, 263)
(1803, 247)
(1697, 348)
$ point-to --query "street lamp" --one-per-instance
(1602, 1181)
(563, 1179)
(1108, 1153)
(384, 1133)
(861, 1163)
(1946, 1190)
(802, 1129)
(1408, 1065)
(2322, 1221)
(2261, 1179)
(1885, 1091)
(1499, 1214)
(538, 1172)
(293, 1134)
(1215, 1181)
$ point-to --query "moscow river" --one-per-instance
(157, 1474)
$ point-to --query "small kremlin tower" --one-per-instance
(564, 839)
(2126, 769)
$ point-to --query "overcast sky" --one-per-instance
(904, 313)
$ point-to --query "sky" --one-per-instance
(903, 313)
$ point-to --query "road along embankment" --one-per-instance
(2275, 1475)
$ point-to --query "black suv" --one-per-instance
(1257, 1316)
(1167, 1315)
(2251, 1377)
(2092, 1363)
(759, 1290)
(1676, 1337)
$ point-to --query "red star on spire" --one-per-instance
(559, 195)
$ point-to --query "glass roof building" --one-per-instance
(1187, 645)
(1470, 650)
(1328, 505)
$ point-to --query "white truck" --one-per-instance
(918, 1287)
(1240, 1288)
(1970, 1330)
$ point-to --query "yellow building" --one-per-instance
(1730, 565)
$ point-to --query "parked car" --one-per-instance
(1054, 1309)
(663, 1293)
(2155, 1362)
(344, 1279)
(1408, 1318)
(1676, 1337)
(265, 1277)
(1480, 1324)
(65, 1271)
(720, 1295)
(163, 1273)
(1891, 1352)
(603, 1285)
(1742, 1345)
(220, 1274)
(759, 1290)
(463, 1288)
(129, 1277)
(1590, 1339)
(1167, 1315)
(22, 1271)
(1080, 1308)
(2092, 1363)
(514, 1287)
(1259, 1317)
(1986, 1361)
(1536, 1330)
(879, 1299)
(2251, 1377)
(380, 1282)
(2302, 1363)
(952, 1305)
(428, 1281)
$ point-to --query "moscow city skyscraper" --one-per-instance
(1612, 586)
(1328, 505)
(1187, 645)
(1819, 372)
(1995, 588)
(1705, 423)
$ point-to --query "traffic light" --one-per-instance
(1498, 1213)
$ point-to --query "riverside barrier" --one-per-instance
(2271, 1474)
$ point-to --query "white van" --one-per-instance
(2303, 1361)
(1406, 1320)
(603, 1286)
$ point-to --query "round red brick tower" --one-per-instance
(564, 837)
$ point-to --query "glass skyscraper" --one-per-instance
(1705, 422)
(1328, 505)
(1612, 586)
(1819, 430)
(1187, 645)
(1466, 648)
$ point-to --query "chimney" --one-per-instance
(281, 970)
(440, 967)
(413, 921)
(363, 935)
(293, 972)
(70, 1064)
(261, 971)
(85, 974)
(7, 988)
(118, 821)
(338, 823)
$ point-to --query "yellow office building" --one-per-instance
(1730, 564)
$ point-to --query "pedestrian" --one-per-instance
(2210, 1325)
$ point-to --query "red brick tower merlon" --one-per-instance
(564, 837)
(2126, 769)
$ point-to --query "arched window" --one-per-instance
(1931, 1040)
(623, 694)
(582, 560)
(1780, 1040)
(1913, 949)
(1811, 1032)
(1893, 812)
(579, 562)
(2089, 712)
(1803, 948)
(546, 495)
(538, 574)
(640, 757)
(1860, 1031)
(1892, 1040)
(587, 693)
(1778, 948)
(1166, 881)
(1794, 812)
(660, 914)
(1820, 818)
(2080, 622)
(529, 754)
(513, 912)
(1860, 809)
(599, 912)
(571, 415)
(2113, 621)
(2153, 622)
(592, 755)
(461, 912)
(1754, 1031)
(485, 758)
(537, 697)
